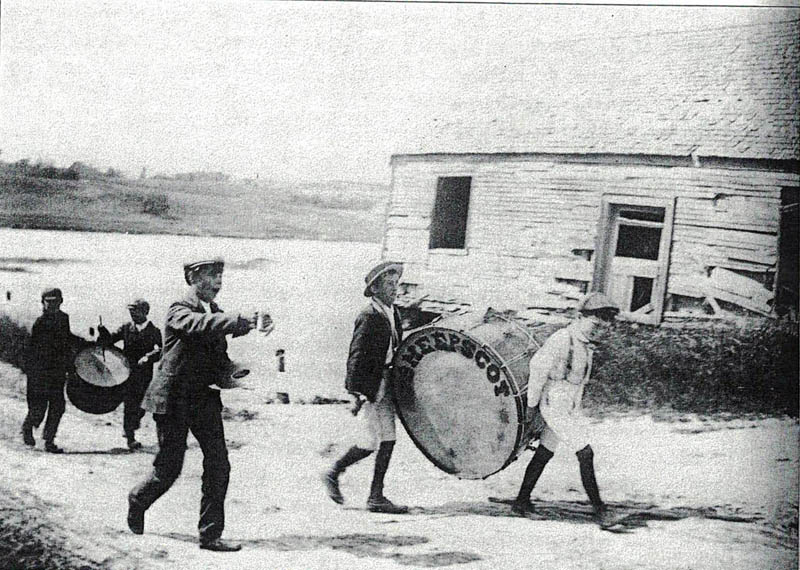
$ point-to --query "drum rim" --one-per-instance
(512, 382)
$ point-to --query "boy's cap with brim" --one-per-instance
(190, 266)
(376, 272)
(53, 293)
(139, 304)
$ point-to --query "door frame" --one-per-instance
(606, 241)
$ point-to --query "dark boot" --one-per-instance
(522, 504)
(331, 477)
(51, 447)
(27, 433)
(604, 517)
(135, 516)
(377, 503)
(586, 463)
(133, 445)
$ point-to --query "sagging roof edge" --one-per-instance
(779, 165)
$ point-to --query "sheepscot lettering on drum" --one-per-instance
(459, 388)
(412, 352)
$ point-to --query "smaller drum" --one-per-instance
(100, 383)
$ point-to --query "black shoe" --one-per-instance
(51, 447)
(219, 545)
(384, 505)
(133, 445)
(521, 508)
(604, 517)
(331, 481)
(135, 517)
(27, 436)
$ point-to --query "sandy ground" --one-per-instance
(692, 469)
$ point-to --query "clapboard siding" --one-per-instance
(530, 220)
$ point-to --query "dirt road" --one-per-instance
(711, 494)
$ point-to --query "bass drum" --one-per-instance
(99, 386)
(460, 391)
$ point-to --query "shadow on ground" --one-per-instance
(631, 515)
(375, 545)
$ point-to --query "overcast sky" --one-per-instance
(283, 90)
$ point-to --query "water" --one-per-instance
(312, 289)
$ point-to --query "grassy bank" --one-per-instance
(752, 370)
(29, 540)
(13, 340)
(335, 211)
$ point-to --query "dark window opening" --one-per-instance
(656, 215)
(642, 292)
(637, 241)
(449, 223)
(786, 293)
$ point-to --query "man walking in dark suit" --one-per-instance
(181, 399)
(141, 345)
(377, 334)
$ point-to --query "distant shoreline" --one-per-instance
(155, 232)
(323, 212)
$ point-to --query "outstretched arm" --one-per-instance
(183, 319)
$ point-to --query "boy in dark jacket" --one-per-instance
(376, 337)
(141, 345)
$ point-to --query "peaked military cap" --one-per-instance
(597, 302)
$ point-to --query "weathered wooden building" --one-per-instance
(661, 169)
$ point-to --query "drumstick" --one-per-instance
(102, 346)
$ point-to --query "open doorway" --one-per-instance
(633, 246)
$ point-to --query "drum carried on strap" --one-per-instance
(459, 387)
(100, 383)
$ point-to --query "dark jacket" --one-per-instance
(366, 361)
(51, 346)
(194, 353)
(136, 344)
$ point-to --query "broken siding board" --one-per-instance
(729, 238)
(740, 285)
(703, 213)
(708, 250)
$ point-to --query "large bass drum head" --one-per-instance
(457, 401)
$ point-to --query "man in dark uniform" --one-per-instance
(49, 360)
(376, 337)
(181, 399)
(141, 345)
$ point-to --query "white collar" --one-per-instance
(142, 326)
(378, 304)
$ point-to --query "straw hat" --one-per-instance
(378, 270)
